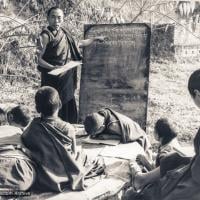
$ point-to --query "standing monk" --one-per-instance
(57, 47)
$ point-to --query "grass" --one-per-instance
(169, 97)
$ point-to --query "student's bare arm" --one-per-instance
(44, 39)
(74, 149)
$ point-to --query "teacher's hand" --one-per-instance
(101, 38)
(55, 67)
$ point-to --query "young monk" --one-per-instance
(13, 119)
(167, 137)
(53, 146)
(13, 114)
(16, 169)
(168, 143)
(57, 47)
(109, 124)
(182, 183)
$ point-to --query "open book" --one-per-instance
(65, 68)
(125, 151)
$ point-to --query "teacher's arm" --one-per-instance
(87, 42)
(44, 39)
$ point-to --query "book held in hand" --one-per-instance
(65, 68)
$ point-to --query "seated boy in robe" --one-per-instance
(52, 144)
(109, 124)
(16, 170)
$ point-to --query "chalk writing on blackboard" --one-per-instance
(115, 72)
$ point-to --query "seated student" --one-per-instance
(168, 143)
(6, 108)
(18, 116)
(182, 183)
(13, 119)
(109, 124)
(52, 144)
(16, 170)
(167, 137)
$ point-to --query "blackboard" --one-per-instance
(115, 73)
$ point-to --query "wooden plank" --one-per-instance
(115, 72)
(102, 190)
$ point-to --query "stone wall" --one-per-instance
(176, 41)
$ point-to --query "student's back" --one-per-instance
(51, 142)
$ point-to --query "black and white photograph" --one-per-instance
(99, 99)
